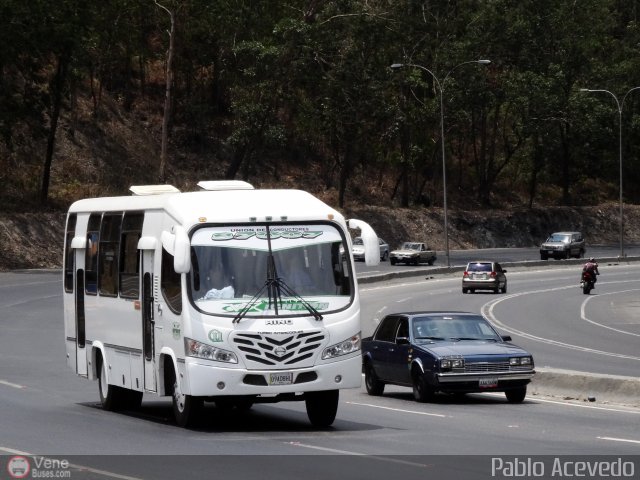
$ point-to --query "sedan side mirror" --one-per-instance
(506, 338)
(402, 341)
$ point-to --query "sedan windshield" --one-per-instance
(262, 270)
(453, 328)
(559, 238)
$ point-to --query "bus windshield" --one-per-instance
(230, 273)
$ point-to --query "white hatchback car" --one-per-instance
(358, 249)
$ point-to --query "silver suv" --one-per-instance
(563, 245)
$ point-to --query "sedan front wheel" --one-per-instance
(422, 392)
(372, 383)
(516, 395)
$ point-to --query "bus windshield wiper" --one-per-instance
(275, 286)
(288, 291)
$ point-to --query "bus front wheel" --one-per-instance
(186, 408)
(322, 407)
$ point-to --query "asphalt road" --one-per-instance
(46, 410)
(544, 311)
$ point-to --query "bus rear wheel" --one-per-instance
(112, 398)
(322, 407)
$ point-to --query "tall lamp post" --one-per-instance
(620, 106)
(398, 66)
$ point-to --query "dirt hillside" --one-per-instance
(29, 240)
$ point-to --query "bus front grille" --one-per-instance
(291, 350)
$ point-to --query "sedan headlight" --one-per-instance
(197, 349)
(451, 363)
(345, 347)
(520, 361)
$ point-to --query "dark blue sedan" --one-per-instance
(451, 352)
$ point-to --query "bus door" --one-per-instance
(81, 351)
(148, 323)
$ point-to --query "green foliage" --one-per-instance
(305, 85)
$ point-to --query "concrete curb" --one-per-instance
(429, 271)
(587, 387)
(550, 382)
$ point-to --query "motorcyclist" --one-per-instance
(592, 267)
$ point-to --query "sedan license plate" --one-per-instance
(281, 378)
(488, 382)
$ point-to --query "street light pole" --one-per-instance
(397, 66)
(620, 106)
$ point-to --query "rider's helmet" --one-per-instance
(592, 260)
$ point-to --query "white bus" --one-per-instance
(230, 294)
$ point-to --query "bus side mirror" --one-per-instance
(182, 257)
(177, 244)
(369, 241)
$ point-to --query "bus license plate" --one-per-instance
(281, 378)
(488, 382)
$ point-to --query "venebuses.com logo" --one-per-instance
(19, 466)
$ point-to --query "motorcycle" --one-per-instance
(588, 282)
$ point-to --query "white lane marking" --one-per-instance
(12, 451)
(632, 410)
(404, 299)
(488, 308)
(583, 315)
(613, 439)
(82, 468)
(325, 449)
(397, 409)
(29, 284)
(29, 300)
(13, 385)
(358, 454)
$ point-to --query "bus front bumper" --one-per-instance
(205, 379)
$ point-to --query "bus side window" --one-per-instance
(108, 254)
(129, 271)
(69, 253)
(91, 255)
(170, 283)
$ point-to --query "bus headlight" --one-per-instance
(345, 347)
(197, 349)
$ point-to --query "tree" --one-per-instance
(162, 173)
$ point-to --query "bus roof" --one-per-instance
(223, 206)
